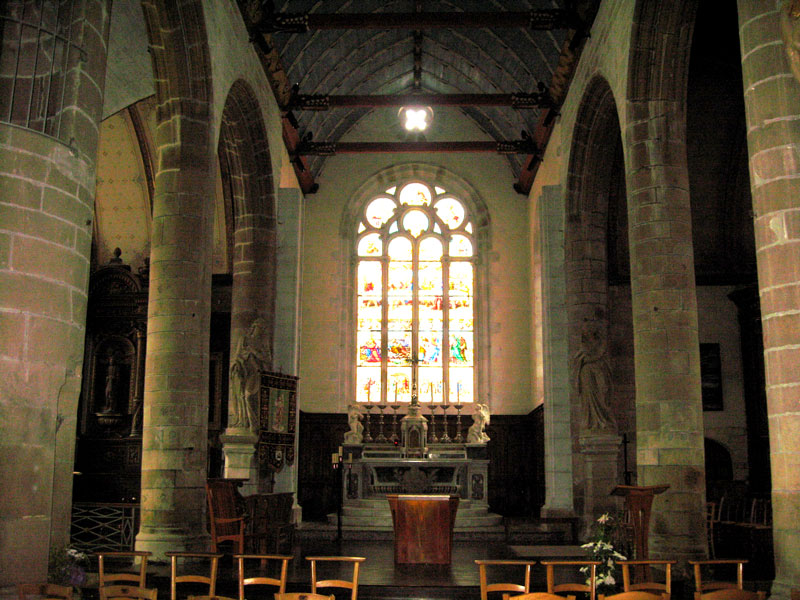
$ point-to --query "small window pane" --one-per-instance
(415, 222)
(368, 384)
(379, 211)
(460, 246)
(400, 249)
(369, 348)
(415, 194)
(461, 386)
(430, 385)
(370, 245)
(399, 384)
(430, 249)
(451, 211)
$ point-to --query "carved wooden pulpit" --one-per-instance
(638, 503)
(423, 528)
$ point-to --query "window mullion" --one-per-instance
(384, 323)
(446, 326)
(415, 317)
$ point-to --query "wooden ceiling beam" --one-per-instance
(523, 146)
(544, 19)
(540, 99)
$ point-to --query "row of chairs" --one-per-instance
(637, 581)
(118, 585)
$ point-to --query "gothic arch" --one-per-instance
(243, 154)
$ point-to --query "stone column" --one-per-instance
(47, 186)
(772, 106)
(175, 425)
(286, 354)
(555, 357)
(253, 302)
(669, 412)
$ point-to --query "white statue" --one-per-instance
(356, 433)
(480, 419)
(251, 358)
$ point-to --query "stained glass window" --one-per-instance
(415, 284)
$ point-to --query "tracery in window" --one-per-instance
(415, 276)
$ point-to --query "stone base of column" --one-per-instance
(601, 454)
(239, 447)
(160, 541)
(782, 590)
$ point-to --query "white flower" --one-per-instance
(604, 518)
(610, 579)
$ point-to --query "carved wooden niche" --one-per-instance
(116, 323)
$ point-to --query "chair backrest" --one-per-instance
(730, 594)
(634, 595)
(560, 588)
(210, 598)
(351, 584)
(225, 518)
(44, 591)
(536, 596)
(279, 582)
(179, 559)
(645, 583)
(303, 596)
(127, 592)
(701, 586)
(104, 560)
(486, 587)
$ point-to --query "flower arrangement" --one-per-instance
(68, 567)
(601, 549)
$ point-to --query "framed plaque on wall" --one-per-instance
(278, 421)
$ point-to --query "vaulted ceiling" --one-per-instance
(440, 47)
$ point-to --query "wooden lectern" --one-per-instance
(423, 528)
(638, 503)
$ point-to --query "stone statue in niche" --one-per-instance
(356, 433)
(591, 377)
(476, 434)
(251, 358)
(109, 391)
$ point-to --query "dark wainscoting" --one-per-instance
(516, 462)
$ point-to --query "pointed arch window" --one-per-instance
(415, 280)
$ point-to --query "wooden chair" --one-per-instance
(708, 589)
(118, 578)
(270, 525)
(351, 584)
(210, 580)
(634, 595)
(225, 518)
(303, 596)
(127, 592)
(279, 582)
(504, 587)
(559, 588)
(43, 591)
(209, 598)
(647, 585)
(536, 596)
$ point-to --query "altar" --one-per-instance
(373, 471)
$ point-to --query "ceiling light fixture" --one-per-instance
(416, 118)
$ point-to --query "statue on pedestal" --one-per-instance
(480, 419)
(252, 357)
(356, 433)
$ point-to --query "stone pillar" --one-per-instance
(555, 357)
(47, 186)
(253, 301)
(175, 425)
(286, 353)
(772, 106)
(669, 412)
(600, 456)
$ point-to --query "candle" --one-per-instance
(334, 458)
(430, 385)
(458, 392)
(395, 391)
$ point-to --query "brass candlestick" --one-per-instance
(381, 438)
(394, 438)
(459, 438)
(445, 436)
(367, 435)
